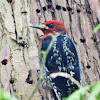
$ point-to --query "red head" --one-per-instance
(52, 26)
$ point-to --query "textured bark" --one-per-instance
(18, 43)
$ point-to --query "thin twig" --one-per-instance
(42, 66)
(39, 82)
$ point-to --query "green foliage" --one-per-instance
(94, 93)
(43, 53)
(4, 95)
(96, 28)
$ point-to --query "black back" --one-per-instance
(62, 57)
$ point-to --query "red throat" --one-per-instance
(45, 37)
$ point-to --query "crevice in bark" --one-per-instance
(98, 69)
(10, 58)
(89, 13)
(14, 21)
(70, 19)
(80, 27)
(29, 79)
(2, 29)
(24, 56)
(69, 9)
(12, 81)
(52, 10)
(43, 11)
(97, 48)
(86, 76)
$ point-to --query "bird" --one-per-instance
(62, 57)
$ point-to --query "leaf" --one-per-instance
(95, 92)
(43, 52)
(4, 95)
(96, 28)
(78, 94)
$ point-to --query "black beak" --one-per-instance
(42, 27)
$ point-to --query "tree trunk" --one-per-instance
(18, 43)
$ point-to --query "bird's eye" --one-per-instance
(50, 25)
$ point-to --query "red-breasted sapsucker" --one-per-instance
(61, 57)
